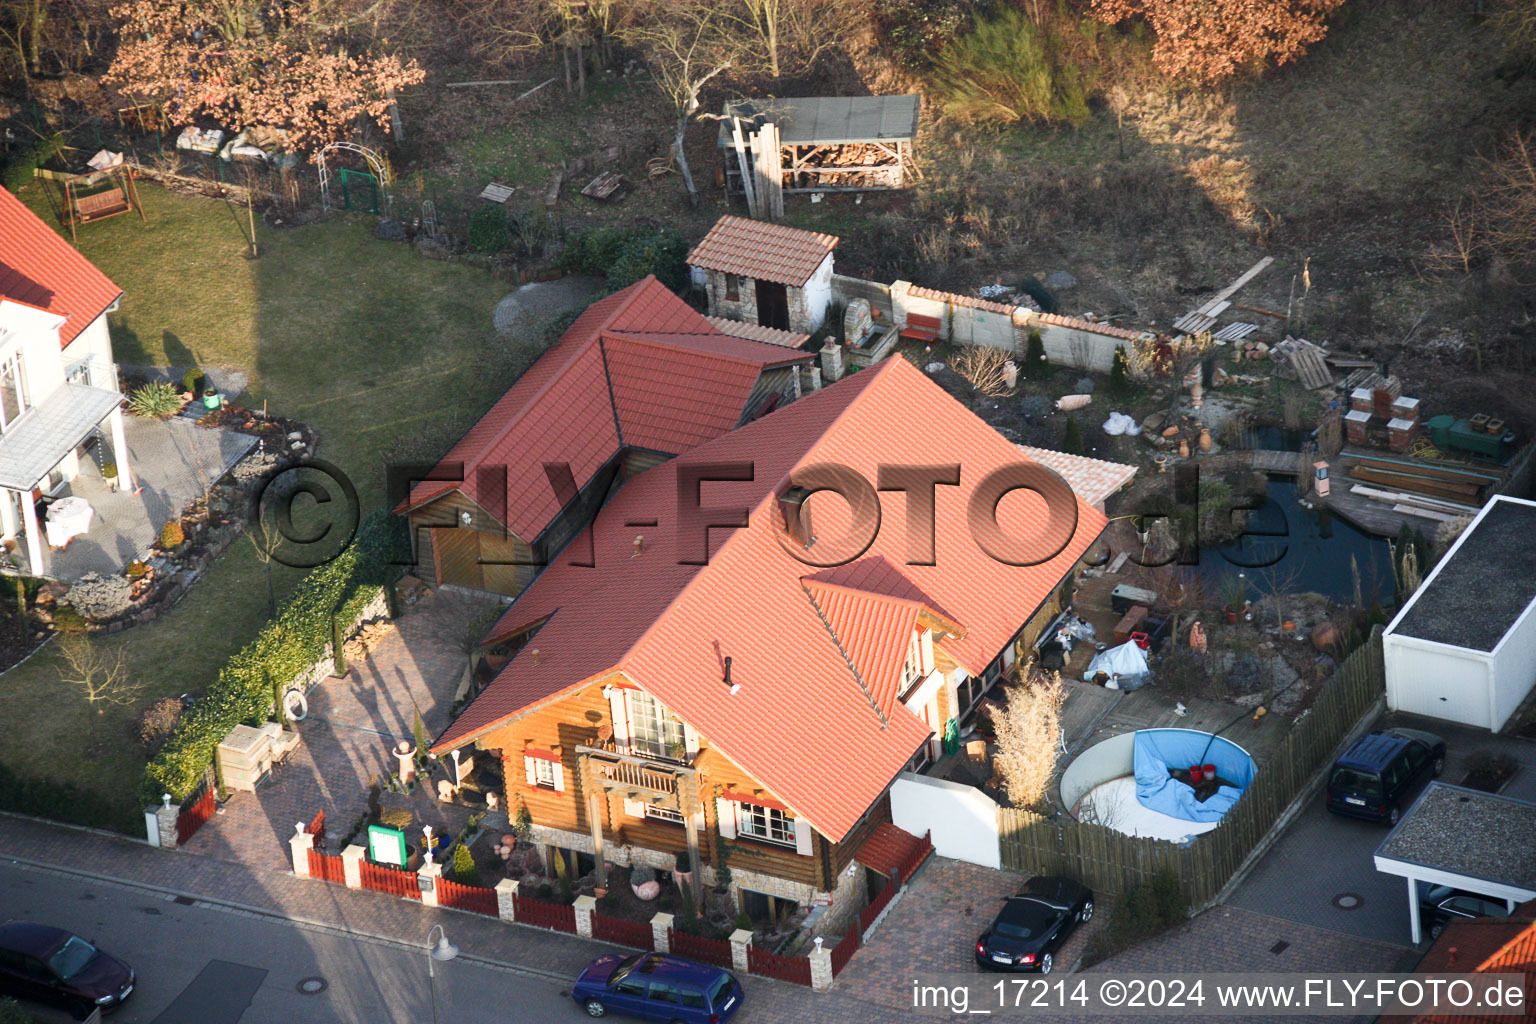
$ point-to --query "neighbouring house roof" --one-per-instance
(639, 368)
(1092, 480)
(802, 723)
(1481, 836)
(38, 266)
(756, 332)
(1483, 945)
(1472, 599)
(829, 120)
(762, 251)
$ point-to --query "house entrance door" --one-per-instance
(772, 305)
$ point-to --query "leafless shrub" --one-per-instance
(983, 367)
(1028, 727)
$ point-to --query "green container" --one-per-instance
(1478, 442)
(1440, 431)
(212, 400)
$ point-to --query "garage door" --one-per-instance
(1436, 684)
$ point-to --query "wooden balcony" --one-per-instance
(635, 775)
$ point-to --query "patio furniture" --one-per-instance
(67, 518)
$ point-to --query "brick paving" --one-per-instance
(352, 724)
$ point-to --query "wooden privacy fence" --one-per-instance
(193, 818)
(391, 880)
(327, 868)
(1112, 862)
(843, 952)
(317, 829)
(710, 951)
(466, 897)
(545, 915)
(626, 933)
(786, 968)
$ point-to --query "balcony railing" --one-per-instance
(621, 771)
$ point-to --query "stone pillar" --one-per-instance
(821, 968)
(352, 866)
(584, 905)
(661, 924)
(899, 304)
(430, 872)
(165, 821)
(35, 540)
(815, 378)
(299, 844)
(832, 361)
(506, 900)
(120, 451)
(794, 379)
(1011, 374)
(741, 938)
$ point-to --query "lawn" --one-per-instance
(384, 352)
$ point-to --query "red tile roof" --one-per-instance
(1093, 480)
(801, 723)
(888, 848)
(757, 332)
(762, 251)
(38, 266)
(1483, 945)
(638, 368)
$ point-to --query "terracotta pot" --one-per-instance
(1183, 449)
(1325, 636)
(1205, 440)
(496, 662)
(1231, 617)
(1288, 626)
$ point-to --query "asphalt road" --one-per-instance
(171, 944)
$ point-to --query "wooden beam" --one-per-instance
(486, 81)
(748, 184)
(1231, 289)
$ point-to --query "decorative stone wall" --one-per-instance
(744, 308)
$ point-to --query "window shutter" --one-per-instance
(1008, 656)
(698, 820)
(690, 739)
(529, 772)
(927, 648)
(559, 777)
(618, 711)
(634, 808)
(802, 837)
(725, 814)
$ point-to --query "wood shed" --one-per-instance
(827, 143)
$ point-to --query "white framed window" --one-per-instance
(654, 730)
(15, 399)
(667, 814)
(544, 773)
(912, 669)
(768, 824)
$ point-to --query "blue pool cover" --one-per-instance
(1157, 750)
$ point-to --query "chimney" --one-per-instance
(797, 516)
(1450, 956)
(639, 544)
(733, 686)
(535, 655)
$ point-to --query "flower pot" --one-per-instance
(683, 878)
(1288, 626)
(1209, 771)
(1231, 617)
(1183, 449)
(1205, 440)
(1196, 775)
(496, 662)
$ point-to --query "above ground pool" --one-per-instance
(1124, 782)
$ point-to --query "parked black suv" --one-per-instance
(1439, 905)
(1377, 775)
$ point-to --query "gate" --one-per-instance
(391, 880)
(192, 819)
(466, 897)
(359, 191)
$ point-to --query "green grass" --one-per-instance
(381, 350)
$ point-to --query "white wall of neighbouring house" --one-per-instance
(962, 819)
(1514, 668)
(1438, 681)
(818, 293)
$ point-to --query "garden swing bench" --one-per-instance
(85, 203)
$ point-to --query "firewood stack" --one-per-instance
(367, 639)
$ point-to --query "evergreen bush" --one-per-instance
(1072, 440)
(625, 255)
(464, 870)
(488, 229)
(172, 536)
(1034, 354)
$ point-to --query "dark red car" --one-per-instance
(50, 965)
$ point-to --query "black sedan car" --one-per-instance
(1439, 905)
(50, 965)
(1031, 927)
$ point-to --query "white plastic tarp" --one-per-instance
(1119, 423)
(1125, 665)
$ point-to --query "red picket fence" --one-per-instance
(843, 952)
(391, 880)
(786, 968)
(710, 951)
(327, 868)
(868, 914)
(192, 819)
(626, 933)
(466, 897)
(317, 829)
(545, 915)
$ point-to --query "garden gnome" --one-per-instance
(492, 801)
(1197, 638)
(444, 791)
(405, 751)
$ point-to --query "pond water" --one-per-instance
(1311, 548)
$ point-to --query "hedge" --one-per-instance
(625, 255)
(64, 801)
(285, 648)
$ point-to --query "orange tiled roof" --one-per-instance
(667, 626)
(39, 267)
(1092, 480)
(638, 368)
(887, 848)
(762, 251)
(756, 332)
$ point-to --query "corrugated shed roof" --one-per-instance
(762, 251)
(804, 120)
(676, 381)
(1092, 480)
(668, 626)
(38, 266)
(756, 332)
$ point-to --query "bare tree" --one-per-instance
(1028, 727)
(1278, 583)
(687, 43)
(98, 675)
(983, 367)
(791, 33)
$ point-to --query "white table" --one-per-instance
(67, 519)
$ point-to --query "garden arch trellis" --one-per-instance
(377, 163)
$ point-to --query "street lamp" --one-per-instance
(442, 952)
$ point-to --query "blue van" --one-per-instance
(659, 987)
(1380, 772)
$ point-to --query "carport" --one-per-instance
(1467, 839)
